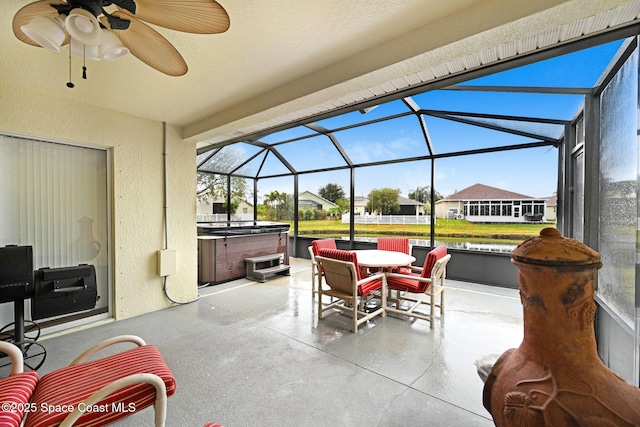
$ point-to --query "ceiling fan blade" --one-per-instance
(149, 46)
(128, 5)
(30, 11)
(188, 16)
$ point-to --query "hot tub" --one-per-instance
(240, 228)
(224, 245)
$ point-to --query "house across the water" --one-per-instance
(407, 206)
(309, 200)
(482, 203)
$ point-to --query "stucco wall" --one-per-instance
(136, 153)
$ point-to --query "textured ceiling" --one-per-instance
(286, 59)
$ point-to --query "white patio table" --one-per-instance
(381, 259)
(369, 258)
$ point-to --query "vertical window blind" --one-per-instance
(54, 198)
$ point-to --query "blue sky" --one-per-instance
(532, 172)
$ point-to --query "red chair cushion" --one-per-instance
(316, 245)
(395, 244)
(72, 384)
(341, 255)
(365, 288)
(406, 284)
(432, 257)
(15, 393)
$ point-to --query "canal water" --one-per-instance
(453, 244)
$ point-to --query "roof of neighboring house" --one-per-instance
(485, 192)
(405, 201)
(360, 200)
(306, 194)
(552, 200)
(204, 196)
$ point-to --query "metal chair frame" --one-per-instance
(342, 279)
(436, 288)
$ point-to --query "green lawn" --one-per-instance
(451, 229)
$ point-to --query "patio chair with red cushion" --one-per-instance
(342, 277)
(97, 392)
(394, 244)
(428, 280)
(316, 271)
(16, 389)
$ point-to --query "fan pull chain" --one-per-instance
(84, 61)
(70, 85)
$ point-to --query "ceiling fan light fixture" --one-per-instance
(111, 47)
(131, 21)
(84, 27)
(48, 32)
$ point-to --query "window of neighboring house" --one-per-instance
(495, 208)
(55, 199)
(474, 209)
(538, 207)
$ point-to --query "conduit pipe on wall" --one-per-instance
(166, 212)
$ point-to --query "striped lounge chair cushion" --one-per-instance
(415, 286)
(15, 393)
(364, 289)
(72, 384)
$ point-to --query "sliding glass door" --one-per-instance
(54, 197)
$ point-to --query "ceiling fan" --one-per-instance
(110, 29)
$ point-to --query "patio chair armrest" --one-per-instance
(377, 276)
(406, 276)
(106, 343)
(160, 401)
(15, 355)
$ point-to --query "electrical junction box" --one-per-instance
(167, 262)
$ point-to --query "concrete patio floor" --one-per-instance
(248, 354)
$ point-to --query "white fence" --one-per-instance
(359, 219)
(388, 219)
(223, 217)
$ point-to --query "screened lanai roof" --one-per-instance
(523, 107)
